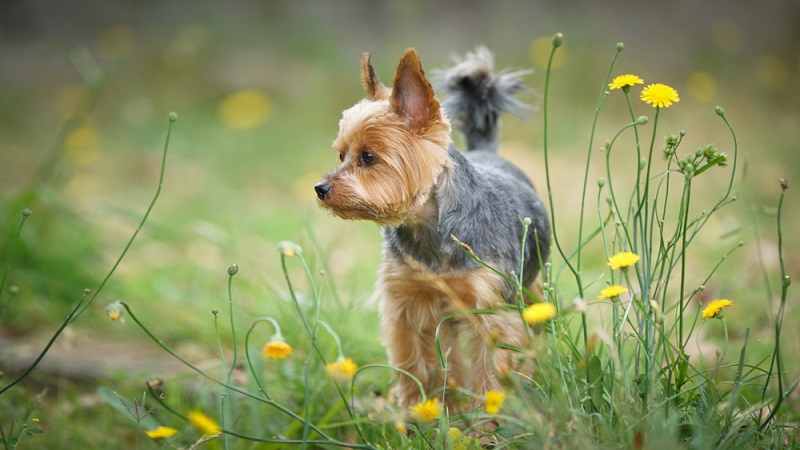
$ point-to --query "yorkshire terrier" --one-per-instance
(400, 169)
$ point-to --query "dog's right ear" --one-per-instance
(372, 85)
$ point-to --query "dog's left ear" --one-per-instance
(372, 85)
(412, 95)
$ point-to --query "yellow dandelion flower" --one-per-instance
(494, 401)
(277, 349)
(244, 109)
(539, 313)
(400, 426)
(426, 412)
(203, 423)
(612, 291)
(713, 309)
(342, 369)
(622, 260)
(659, 95)
(161, 432)
(624, 81)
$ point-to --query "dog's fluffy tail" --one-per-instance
(476, 96)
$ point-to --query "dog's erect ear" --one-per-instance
(412, 95)
(375, 89)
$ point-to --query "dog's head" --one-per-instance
(392, 147)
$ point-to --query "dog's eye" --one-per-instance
(367, 158)
(341, 157)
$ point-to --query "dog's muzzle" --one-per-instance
(322, 189)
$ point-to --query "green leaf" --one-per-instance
(594, 371)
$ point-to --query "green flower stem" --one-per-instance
(726, 198)
(250, 364)
(776, 354)
(526, 223)
(736, 384)
(725, 342)
(638, 151)
(416, 380)
(545, 120)
(611, 185)
(687, 193)
(25, 214)
(232, 366)
(600, 100)
(711, 274)
(334, 336)
(466, 249)
(641, 206)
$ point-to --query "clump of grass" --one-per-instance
(627, 381)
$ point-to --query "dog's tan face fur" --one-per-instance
(392, 146)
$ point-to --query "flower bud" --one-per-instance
(620, 46)
(289, 249)
(601, 182)
(720, 111)
(172, 116)
(558, 39)
(641, 120)
(233, 269)
(155, 382)
(115, 310)
(26, 212)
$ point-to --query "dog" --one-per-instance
(400, 169)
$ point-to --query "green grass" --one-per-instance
(592, 386)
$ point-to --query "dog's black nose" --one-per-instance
(322, 188)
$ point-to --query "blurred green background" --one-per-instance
(85, 88)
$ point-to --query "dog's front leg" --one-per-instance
(409, 332)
